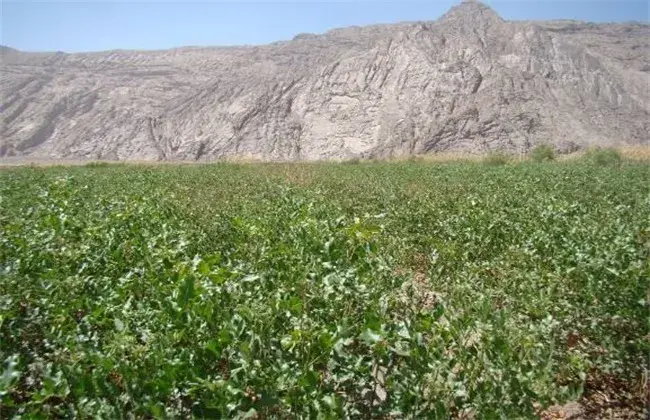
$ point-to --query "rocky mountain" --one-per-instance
(469, 81)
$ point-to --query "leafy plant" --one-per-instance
(542, 153)
(319, 290)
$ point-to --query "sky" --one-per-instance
(90, 25)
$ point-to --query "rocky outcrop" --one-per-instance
(469, 81)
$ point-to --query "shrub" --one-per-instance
(96, 164)
(603, 156)
(542, 153)
(497, 158)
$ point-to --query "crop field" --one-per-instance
(369, 290)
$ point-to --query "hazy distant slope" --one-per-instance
(469, 81)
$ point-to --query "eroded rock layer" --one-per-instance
(468, 82)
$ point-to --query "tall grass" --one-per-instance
(542, 153)
(603, 156)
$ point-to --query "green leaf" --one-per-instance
(370, 337)
(119, 325)
(186, 291)
(339, 346)
(204, 268)
(400, 351)
(295, 304)
(9, 374)
(213, 347)
(404, 332)
(308, 380)
(331, 401)
(252, 413)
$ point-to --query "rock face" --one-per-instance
(469, 81)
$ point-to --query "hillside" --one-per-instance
(469, 81)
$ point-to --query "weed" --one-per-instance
(96, 164)
(603, 156)
(542, 153)
(497, 158)
(415, 158)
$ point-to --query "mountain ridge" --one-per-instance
(469, 81)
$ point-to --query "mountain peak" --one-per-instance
(471, 10)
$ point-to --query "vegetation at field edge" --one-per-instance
(542, 153)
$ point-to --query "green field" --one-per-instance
(384, 290)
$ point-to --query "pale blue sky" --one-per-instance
(87, 25)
